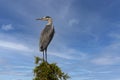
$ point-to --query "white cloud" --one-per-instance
(19, 67)
(16, 73)
(14, 46)
(106, 60)
(115, 35)
(3, 61)
(61, 55)
(64, 10)
(116, 79)
(103, 72)
(73, 21)
(7, 27)
(109, 55)
(70, 54)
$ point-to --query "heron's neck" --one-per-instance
(49, 22)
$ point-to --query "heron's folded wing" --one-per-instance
(46, 36)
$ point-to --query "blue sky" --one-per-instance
(86, 44)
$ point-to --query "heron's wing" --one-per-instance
(46, 36)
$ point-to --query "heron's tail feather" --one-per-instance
(41, 49)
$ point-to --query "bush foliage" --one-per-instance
(45, 71)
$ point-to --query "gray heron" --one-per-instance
(46, 35)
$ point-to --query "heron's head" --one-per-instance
(45, 18)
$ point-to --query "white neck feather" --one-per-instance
(49, 22)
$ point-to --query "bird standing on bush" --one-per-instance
(46, 35)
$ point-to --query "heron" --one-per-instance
(46, 35)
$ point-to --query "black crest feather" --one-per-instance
(47, 17)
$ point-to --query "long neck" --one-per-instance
(49, 22)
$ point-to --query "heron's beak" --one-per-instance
(39, 19)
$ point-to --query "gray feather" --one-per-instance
(46, 37)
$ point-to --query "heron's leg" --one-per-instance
(43, 55)
(46, 54)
